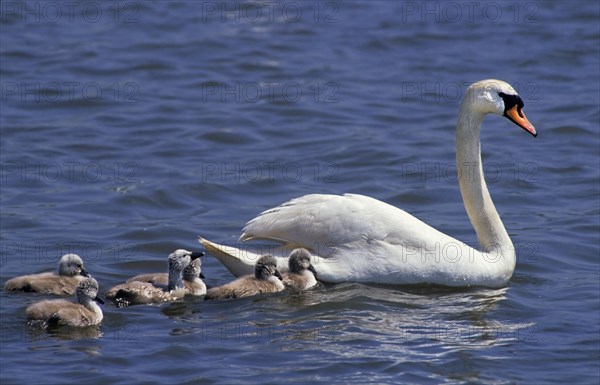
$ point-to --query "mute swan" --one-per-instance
(360, 239)
(266, 279)
(62, 312)
(134, 293)
(302, 273)
(192, 278)
(70, 273)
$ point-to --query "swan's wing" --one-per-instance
(325, 224)
(291, 224)
(354, 238)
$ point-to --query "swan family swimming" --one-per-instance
(335, 238)
(184, 277)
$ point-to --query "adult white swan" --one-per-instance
(360, 239)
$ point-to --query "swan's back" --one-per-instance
(354, 235)
(328, 221)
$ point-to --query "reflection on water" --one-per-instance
(41, 331)
(339, 314)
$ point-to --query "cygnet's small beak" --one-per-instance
(99, 300)
(196, 255)
(278, 275)
(312, 268)
(83, 272)
(202, 275)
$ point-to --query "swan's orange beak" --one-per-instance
(518, 117)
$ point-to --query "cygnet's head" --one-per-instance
(300, 260)
(180, 259)
(71, 265)
(265, 267)
(494, 96)
(193, 270)
(87, 290)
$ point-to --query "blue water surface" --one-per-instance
(130, 128)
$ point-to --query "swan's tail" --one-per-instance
(239, 262)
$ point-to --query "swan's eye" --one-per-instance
(510, 101)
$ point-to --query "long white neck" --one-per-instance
(491, 234)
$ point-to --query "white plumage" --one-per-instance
(360, 239)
